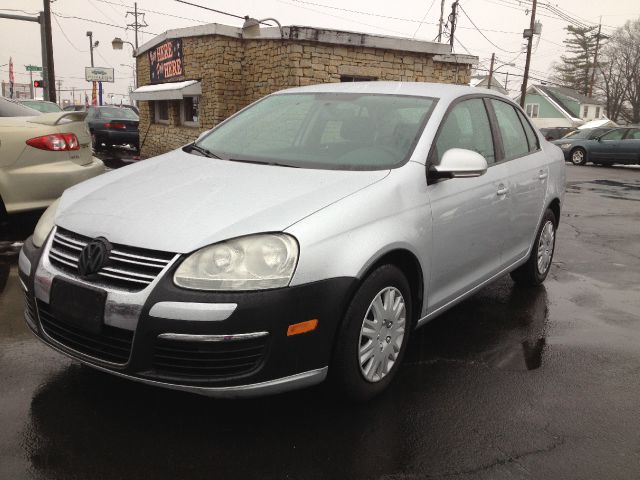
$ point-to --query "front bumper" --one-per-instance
(284, 363)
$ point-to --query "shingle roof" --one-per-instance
(568, 92)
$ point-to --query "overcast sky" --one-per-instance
(501, 21)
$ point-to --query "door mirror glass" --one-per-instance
(459, 162)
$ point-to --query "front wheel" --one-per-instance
(373, 336)
(538, 265)
(578, 156)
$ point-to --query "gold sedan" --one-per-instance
(41, 156)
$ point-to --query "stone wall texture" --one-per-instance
(235, 72)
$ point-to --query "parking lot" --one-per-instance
(512, 383)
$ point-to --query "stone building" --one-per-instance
(191, 79)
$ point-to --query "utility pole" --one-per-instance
(90, 35)
(454, 13)
(523, 92)
(46, 58)
(137, 24)
(441, 21)
(506, 81)
(60, 90)
(50, 78)
(595, 60)
(31, 84)
(493, 59)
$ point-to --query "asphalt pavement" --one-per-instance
(513, 383)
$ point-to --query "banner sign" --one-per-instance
(98, 74)
(166, 61)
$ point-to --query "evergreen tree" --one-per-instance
(574, 69)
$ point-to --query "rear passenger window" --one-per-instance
(467, 126)
(532, 138)
(633, 135)
(514, 139)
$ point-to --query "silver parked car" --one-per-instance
(303, 238)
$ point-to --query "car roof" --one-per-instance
(443, 91)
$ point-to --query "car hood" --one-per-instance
(180, 202)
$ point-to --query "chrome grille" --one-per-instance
(129, 268)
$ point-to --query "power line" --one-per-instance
(211, 9)
(166, 14)
(95, 21)
(482, 33)
(65, 36)
(423, 18)
(339, 17)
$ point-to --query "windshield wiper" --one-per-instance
(262, 162)
(203, 151)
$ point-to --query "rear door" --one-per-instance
(528, 172)
(630, 146)
(469, 215)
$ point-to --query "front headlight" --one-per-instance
(45, 224)
(565, 146)
(254, 262)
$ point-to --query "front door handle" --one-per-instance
(542, 175)
(502, 190)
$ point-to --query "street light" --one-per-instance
(251, 26)
(118, 44)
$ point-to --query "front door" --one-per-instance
(607, 147)
(469, 215)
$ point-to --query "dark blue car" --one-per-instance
(602, 146)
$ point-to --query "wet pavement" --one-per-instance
(512, 383)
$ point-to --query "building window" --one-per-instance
(586, 111)
(189, 111)
(597, 112)
(352, 78)
(161, 114)
(532, 110)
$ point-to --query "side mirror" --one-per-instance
(459, 162)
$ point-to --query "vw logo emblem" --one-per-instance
(93, 257)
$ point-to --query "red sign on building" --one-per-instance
(166, 61)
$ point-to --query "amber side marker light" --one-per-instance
(302, 327)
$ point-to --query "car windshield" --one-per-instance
(11, 108)
(117, 112)
(343, 131)
(44, 107)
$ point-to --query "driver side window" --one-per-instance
(466, 126)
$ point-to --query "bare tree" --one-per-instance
(620, 73)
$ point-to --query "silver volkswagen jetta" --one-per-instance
(301, 239)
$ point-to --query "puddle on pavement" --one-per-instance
(502, 326)
(608, 189)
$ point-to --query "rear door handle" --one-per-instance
(542, 175)
(502, 190)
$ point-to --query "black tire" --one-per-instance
(345, 372)
(4, 216)
(578, 156)
(529, 274)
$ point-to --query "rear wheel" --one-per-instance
(374, 335)
(578, 156)
(538, 265)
